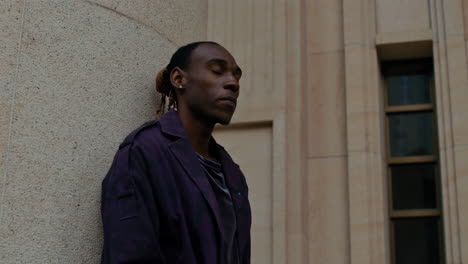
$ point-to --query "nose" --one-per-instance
(232, 85)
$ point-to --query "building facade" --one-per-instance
(351, 127)
(362, 106)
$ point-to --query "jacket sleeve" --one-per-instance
(130, 219)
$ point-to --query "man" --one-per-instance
(172, 194)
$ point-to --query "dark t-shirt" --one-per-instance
(214, 172)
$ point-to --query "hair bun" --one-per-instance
(161, 85)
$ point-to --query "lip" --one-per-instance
(230, 99)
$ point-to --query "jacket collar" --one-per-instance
(185, 154)
(172, 125)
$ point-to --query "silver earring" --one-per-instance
(180, 86)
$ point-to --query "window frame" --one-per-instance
(401, 67)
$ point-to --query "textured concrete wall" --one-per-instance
(75, 78)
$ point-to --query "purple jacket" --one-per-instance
(158, 206)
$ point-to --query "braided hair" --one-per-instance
(181, 59)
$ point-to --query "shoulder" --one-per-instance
(133, 154)
(148, 130)
(146, 142)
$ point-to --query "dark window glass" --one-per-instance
(408, 89)
(413, 186)
(411, 134)
(416, 241)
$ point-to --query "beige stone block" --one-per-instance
(458, 82)
(326, 106)
(453, 18)
(359, 221)
(363, 100)
(358, 26)
(358, 188)
(217, 11)
(352, 29)
(366, 131)
(460, 127)
(367, 208)
(461, 166)
(296, 210)
(465, 18)
(296, 235)
(356, 78)
(85, 80)
(357, 127)
(178, 21)
(294, 56)
(404, 15)
(373, 77)
(362, 79)
(461, 171)
(328, 210)
(324, 25)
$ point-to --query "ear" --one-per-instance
(178, 77)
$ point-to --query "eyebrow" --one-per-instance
(224, 63)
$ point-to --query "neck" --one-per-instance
(199, 132)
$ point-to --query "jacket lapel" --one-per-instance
(231, 172)
(234, 177)
(183, 151)
(185, 154)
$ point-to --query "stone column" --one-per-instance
(75, 78)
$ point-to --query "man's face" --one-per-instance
(212, 84)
